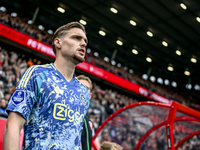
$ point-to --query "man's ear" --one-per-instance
(57, 43)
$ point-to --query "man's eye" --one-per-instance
(76, 37)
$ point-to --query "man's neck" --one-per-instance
(66, 68)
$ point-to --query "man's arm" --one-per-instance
(11, 138)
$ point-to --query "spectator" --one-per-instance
(23, 66)
(105, 136)
(1, 90)
(30, 62)
(3, 106)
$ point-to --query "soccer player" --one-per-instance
(88, 128)
(49, 101)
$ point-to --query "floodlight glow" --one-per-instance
(88, 50)
(113, 62)
(30, 22)
(14, 14)
(188, 86)
(164, 43)
(153, 79)
(134, 51)
(41, 27)
(183, 6)
(60, 9)
(187, 73)
(194, 60)
(133, 23)
(106, 59)
(119, 65)
(197, 87)
(170, 68)
(145, 76)
(96, 54)
(178, 52)
(119, 42)
(198, 19)
(149, 33)
(174, 84)
(131, 70)
(2, 8)
(113, 10)
(50, 31)
(148, 59)
(83, 22)
(166, 82)
(160, 80)
(102, 33)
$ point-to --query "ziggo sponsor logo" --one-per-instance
(62, 113)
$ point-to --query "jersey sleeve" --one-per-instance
(25, 95)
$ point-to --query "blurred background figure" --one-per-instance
(110, 146)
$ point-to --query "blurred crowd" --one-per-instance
(104, 101)
(184, 96)
(21, 25)
(127, 129)
(181, 95)
(12, 66)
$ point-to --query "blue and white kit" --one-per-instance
(54, 108)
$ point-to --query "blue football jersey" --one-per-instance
(54, 108)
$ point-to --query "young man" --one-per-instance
(106, 145)
(49, 101)
(88, 128)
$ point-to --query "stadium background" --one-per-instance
(166, 20)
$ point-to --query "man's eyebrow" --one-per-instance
(85, 39)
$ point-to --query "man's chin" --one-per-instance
(79, 59)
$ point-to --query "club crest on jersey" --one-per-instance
(83, 99)
(18, 97)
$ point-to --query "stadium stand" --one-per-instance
(186, 97)
(104, 102)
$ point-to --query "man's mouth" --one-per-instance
(82, 51)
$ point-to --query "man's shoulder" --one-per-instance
(43, 67)
(35, 71)
(38, 69)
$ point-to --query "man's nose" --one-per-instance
(83, 43)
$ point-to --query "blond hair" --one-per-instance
(106, 145)
(83, 77)
(61, 31)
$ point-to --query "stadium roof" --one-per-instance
(155, 23)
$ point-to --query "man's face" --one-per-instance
(3, 103)
(73, 45)
(7, 97)
(87, 85)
